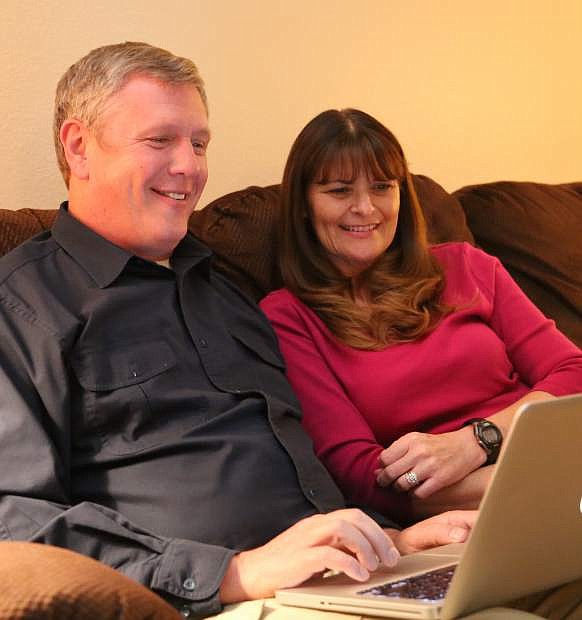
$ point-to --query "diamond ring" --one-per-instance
(412, 478)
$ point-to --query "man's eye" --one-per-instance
(158, 141)
(199, 147)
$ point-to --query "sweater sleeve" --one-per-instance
(541, 355)
(342, 438)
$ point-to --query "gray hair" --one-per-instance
(84, 89)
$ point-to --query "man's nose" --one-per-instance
(185, 160)
(362, 203)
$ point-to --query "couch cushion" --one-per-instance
(241, 228)
(18, 226)
(536, 231)
(41, 581)
(445, 218)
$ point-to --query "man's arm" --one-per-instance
(347, 541)
(37, 502)
(344, 540)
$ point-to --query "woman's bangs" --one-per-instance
(336, 165)
(381, 160)
(348, 163)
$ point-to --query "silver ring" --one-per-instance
(412, 478)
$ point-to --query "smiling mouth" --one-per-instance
(367, 228)
(172, 195)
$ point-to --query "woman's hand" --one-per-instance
(423, 463)
(463, 495)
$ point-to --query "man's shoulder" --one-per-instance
(27, 256)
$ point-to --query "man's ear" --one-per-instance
(74, 138)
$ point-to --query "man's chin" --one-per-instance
(158, 249)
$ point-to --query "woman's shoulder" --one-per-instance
(280, 300)
(282, 307)
(460, 254)
(466, 268)
(281, 296)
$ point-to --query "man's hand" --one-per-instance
(344, 540)
(448, 527)
(436, 461)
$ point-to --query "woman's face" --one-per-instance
(354, 220)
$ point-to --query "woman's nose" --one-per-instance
(362, 203)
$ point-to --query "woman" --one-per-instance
(409, 361)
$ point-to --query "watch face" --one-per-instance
(490, 434)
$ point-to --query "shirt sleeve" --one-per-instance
(343, 440)
(35, 477)
(543, 357)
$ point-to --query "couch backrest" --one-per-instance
(241, 228)
(18, 226)
(534, 228)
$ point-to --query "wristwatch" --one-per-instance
(488, 436)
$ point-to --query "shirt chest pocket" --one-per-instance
(260, 365)
(125, 393)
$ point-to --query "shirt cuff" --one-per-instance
(190, 574)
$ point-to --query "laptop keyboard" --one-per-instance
(431, 586)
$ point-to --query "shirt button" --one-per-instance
(189, 584)
(203, 343)
(185, 611)
(311, 492)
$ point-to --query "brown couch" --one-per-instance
(535, 229)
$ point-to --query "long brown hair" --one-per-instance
(403, 286)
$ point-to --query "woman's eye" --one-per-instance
(339, 191)
(383, 187)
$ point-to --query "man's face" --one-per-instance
(146, 161)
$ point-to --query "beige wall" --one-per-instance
(476, 91)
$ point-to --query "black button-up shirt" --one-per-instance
(145, 418)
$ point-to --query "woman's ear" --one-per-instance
(74, 137)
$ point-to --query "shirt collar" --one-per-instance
(103, 260)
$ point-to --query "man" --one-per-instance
(145, 416)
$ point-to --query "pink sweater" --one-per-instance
(479, 359)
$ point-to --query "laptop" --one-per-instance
(528, 536)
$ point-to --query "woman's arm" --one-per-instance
(442, 461)
(541, 357)
(463, 495)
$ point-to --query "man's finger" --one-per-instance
(382, 545)
(330, 558)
